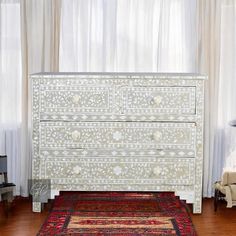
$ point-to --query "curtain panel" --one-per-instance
(10, 84)
(216, 58)
(30, 36)
(133, 35)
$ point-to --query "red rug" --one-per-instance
(118, 213)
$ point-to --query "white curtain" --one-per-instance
(216, 58)
(227, 101)
(29, 43)
(133, 35)
(40, 25)
(10, 87)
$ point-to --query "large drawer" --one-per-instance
(118, 135)
(118, 171)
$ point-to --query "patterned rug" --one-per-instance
(118, 213)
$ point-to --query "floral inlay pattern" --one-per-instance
(68, 99)
(76, 170)
(152, 171)
(160, 99)
(118, 135)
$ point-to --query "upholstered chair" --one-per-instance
(226, 189)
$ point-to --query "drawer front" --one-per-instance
(68, 100)
(118, 135)
(112, 171)
(156, 100)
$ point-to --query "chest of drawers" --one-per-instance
(119, 132)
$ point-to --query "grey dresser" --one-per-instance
(119, 132)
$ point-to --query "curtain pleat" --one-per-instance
(216, 58)
(133, 35)
(10, 83)
(30, 38)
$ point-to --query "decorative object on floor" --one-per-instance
(118, 213)
(226, 189)
(119, 132)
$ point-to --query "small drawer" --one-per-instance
(159, 100)
(75, 100)
(118, 135)
(111, 171)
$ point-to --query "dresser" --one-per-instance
(118, 132)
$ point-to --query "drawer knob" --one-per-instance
(157, 136)
(157, 100)
(75, 135)
(76, 99)
(157, 171)
(77, 170)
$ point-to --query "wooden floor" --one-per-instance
(21, 221)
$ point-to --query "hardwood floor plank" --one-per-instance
(21, 221)
(222, 222)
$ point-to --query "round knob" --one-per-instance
(75, 135)
(157, 135)
(157, 170)
(157, 100)
(77, 170)
(76, 99)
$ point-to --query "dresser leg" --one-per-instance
(197, 207)
(37, 206)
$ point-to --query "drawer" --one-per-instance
(112, 171)
(74, 100)
(159, 100)
(118, 135)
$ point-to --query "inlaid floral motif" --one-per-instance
(153, 171)
(151, 100)
(118, 135)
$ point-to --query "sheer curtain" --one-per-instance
(40, 30)
(216, 58)
(227, 101)
(133, 35)
(29, 43)
(10, 84)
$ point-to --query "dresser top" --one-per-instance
(120, 75)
